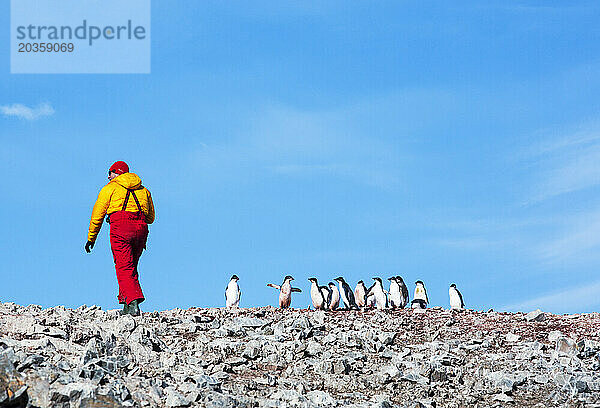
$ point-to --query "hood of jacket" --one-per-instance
(128, 180)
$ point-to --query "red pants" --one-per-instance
(128, 234)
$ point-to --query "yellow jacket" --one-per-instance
(111, 199)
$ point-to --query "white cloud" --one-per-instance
(297, 143)
(581, 237)
(571, 300)
(565, 164)
(24, 112)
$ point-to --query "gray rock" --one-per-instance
(252, 350)
(175, 398)
(30, 361)
(535, 316)
(503, 398)
(9, 354)
(565, 345)
(588, 348)
(92, 351)
(313, 349)
(38, 390)
(100, 401)
(250, 322)
(320, 398)
(415, 376)
(12, 384)
(554, 335)
(386, 338)
(125, 324)
(340, 367)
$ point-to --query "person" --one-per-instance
(130, 209)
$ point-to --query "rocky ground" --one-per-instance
(265, 357)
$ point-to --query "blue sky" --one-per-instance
(452, 143)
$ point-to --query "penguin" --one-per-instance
(403, 291)
(233, 293)
(316, 295)
(333, 300)
(346, 294)
(285, 291)
(360, 294)
(456, 299)
(379, 294)
(395, 293)
(420, 299)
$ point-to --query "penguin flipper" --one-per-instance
(272, 285)
(369, 290)
(462, 302)
(296, 290)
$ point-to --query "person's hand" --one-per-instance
(88, 246)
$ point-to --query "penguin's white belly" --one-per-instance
(380, 300)
(316, 297)
(455, 302)
(344, 298)
(232, 296)
(359, 295)
(335, 299)
(395, 297)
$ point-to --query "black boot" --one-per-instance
(125, 309)
(134, 309)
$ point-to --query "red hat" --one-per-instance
(119, 167)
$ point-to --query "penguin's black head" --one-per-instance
(331, 284)
(235, 277)
(360, 282)
(392, 278)
(288, 277)
(377, 279)
(399, 279)
(417, 282)
(312, 280)
(339, 279)
(453, 285)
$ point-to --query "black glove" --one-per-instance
(88, 246)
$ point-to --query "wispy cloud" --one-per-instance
(20, 111)
(580, 237)
(565, 164)
(296, 143)
(582, 298)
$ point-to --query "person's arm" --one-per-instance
(99, 212)
(151, 214)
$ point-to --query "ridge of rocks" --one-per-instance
(267, 357)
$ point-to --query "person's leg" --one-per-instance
(123, 254)
(137, 247)
(138, 244)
